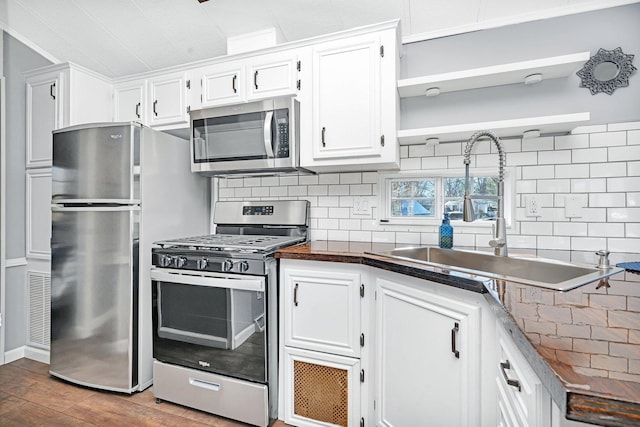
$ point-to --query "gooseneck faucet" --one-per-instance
(499, 241)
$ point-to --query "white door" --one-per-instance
(425, 362)
(167, 95)
(346, 102)
(129, 103)
(322, 311)
(43, 116)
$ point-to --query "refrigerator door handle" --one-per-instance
(62, 208)
(95, 202)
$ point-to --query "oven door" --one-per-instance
(211, 322)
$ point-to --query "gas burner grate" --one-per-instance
(232, 242)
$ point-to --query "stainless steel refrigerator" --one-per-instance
(117, 188)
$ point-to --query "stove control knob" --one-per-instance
(244, 266)
(165, 260)
(202, 263)
(227, 265)
(180, 261)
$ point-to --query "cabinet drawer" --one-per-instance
(521, 395)
(211, 393)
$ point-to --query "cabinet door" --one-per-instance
(223, 84)
(272, 75)
(43, 116)
(522, 399)
(427, 359)
(346, 98)
(167, 96)
(321, 389)
(322, 310)
(128, 102)
(38, 219)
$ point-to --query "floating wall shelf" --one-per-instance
(563, 123)
(498, 75)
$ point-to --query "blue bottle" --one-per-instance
(446, 233)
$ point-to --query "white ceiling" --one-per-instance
(123, 37)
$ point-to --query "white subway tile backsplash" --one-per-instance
(278, 191)
(359, 236)
(340, 235)
(526, 186)
(457, 162)
(554, 157)
(623, 184)
(351, 178)
(633, 137)
(243, 192)
(509, 146)
(289, 180)
(361, 189)
(449, 149)
(319, 212)
(429, 239)
(349, 224)
(570, 229)
(536, 228)
(434, 163)
(465, 240)
(607, 200)
(339, 212)
(589, 129)
(329, 178)
(565, 142)
(626, 153)
(608, 139)
(297, 190)
(329, 224)
(554, 186)
(383, 237)
(408, 238)
(607, 170)
(515, 241)
(613, 127)
(317, 190)
(411, 163)
(593, 215)
(329, 201)
(308, 179)
(270, 181)
(252, 182)
(319, 234)
(521, 159)
(338, 190)
(421, 150)
(632, 229)
(537, 144)
(633, 200)
(606, 229)
(233, 182)
(369, 177)
(624, 245)
(572, 171)
(224, 193)
(588, 185)
(589, 155)
(257, 192)
(588, 243)
(538, 172)
(555, 242)
(633, 169)
(623, 215)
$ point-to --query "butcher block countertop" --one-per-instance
(583, 344)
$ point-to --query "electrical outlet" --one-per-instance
(532, 204)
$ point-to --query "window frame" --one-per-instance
(384, 196)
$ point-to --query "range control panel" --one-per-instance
(257, 210)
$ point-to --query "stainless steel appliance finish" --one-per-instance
(258, 138)
(111, 182)
(215, 310)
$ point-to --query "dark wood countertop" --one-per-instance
(583, 344)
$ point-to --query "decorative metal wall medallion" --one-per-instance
(606, 71)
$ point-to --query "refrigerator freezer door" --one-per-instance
(96, 163)
(94, 289)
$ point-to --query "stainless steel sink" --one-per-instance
(530, 271)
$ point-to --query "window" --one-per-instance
(423, 197)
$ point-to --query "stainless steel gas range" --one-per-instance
(215, 310)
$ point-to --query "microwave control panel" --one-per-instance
(282, 141)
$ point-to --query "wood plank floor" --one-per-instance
(29, 396)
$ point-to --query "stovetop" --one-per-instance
(232, 242)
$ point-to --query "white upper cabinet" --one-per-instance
(58, 96)
(129, 102)
(353, 103)
(168, 99)
(249, 79)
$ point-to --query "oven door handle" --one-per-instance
(239, 283)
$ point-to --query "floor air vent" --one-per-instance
(39, 297)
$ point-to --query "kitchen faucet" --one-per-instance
(499, 241)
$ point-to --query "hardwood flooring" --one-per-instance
(29, 396)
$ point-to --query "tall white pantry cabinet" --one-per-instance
(57, 96)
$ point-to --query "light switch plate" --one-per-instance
(362, 206)
(573, 206)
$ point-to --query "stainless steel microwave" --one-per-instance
(257, 138)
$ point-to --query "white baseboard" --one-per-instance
(13, 355)
(37, 354)
(32, 353)
(15, 262)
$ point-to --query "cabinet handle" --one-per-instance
(154, 107)
(454, 332)
(255, 79)
(233, 83)
(52, 90)
(513, 383)
(138, 110)
(295, 295)
(324, 144)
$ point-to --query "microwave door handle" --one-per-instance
(268, 146)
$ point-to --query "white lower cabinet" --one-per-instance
(522, 399)
(427, 354)
(325, 357)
